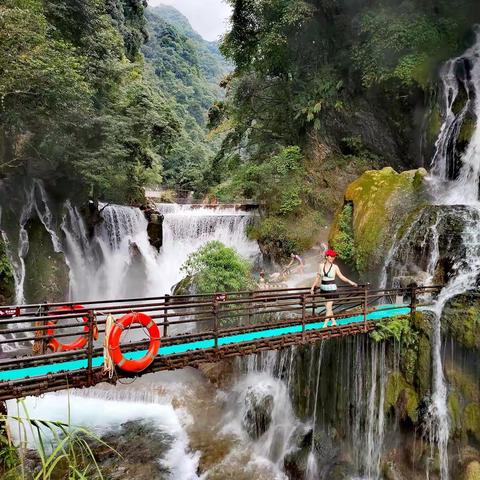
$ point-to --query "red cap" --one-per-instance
(330, 253)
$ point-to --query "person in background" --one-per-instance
(326, 275)
(295, 258)
(262, 283)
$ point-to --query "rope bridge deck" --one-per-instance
(195, 329)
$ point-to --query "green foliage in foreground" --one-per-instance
(217, 268)
(62, 451)
(344, 242)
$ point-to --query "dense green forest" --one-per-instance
(322, 91)
(77, 105)
(189, 70)
(80, 107)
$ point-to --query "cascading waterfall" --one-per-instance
(116, 260)
(462, 188)
(120, 262)
(264, 383)
(454, 183)
(461, 74)
(185, 229)
(312, 465)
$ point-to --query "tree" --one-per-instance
(217, 268)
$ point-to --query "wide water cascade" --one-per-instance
(445, 236)
(114, 261)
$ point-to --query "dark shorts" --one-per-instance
(329, 295)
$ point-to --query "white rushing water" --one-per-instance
(261, 386)
(455, 185)
(118, 261)
(459, 75)
(104, 410)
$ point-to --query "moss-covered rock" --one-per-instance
(461, 316)
(380, 199)
(455, 413)
(402, 397)
(471, 420)
(472, 472)
(423, 372)
(279, 236)
(47, 271)
(7, 279)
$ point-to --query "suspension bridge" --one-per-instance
(55, 346)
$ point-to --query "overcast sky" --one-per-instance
(208, 17)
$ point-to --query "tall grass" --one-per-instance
(61, 450)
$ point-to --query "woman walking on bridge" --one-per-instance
(327, 273)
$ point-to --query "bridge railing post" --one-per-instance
(413, 301)
(365, 306)
(40, 346)
(250, 308)
(304, 306)
(91, 325)
(215, 321)
(165, 318)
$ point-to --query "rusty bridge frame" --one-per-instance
(184, 319)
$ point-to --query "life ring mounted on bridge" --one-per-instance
(80, 342)
(141, 364)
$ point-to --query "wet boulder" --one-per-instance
(155, 226)
(258, 411)
(461, 316)
(434, 239)
(306, 442)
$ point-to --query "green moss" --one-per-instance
(424, 365)
(48, 278)
(472, 472)
(380, 198)
(344, 242)
(434, 124)
(471, 419)
(465, 384)
(462, 317)
(455, 413)
(7, 279)
(401, 396)
(421, 323)
(466, 130)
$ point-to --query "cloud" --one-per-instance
(208, 17)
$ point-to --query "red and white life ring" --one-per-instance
(114, 342)
(77, 344)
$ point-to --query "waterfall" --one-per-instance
(456, 181)
(264, 383)
(119, 411)
(185, 229)
(453, 217)
(312, 466)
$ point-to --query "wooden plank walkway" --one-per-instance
(266, 321)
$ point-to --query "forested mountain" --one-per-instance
(77, 107)
(212, 63)
(323, 91)
(82, 110)
(189, 70)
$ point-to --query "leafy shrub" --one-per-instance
(344, 242)
(217, 268)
